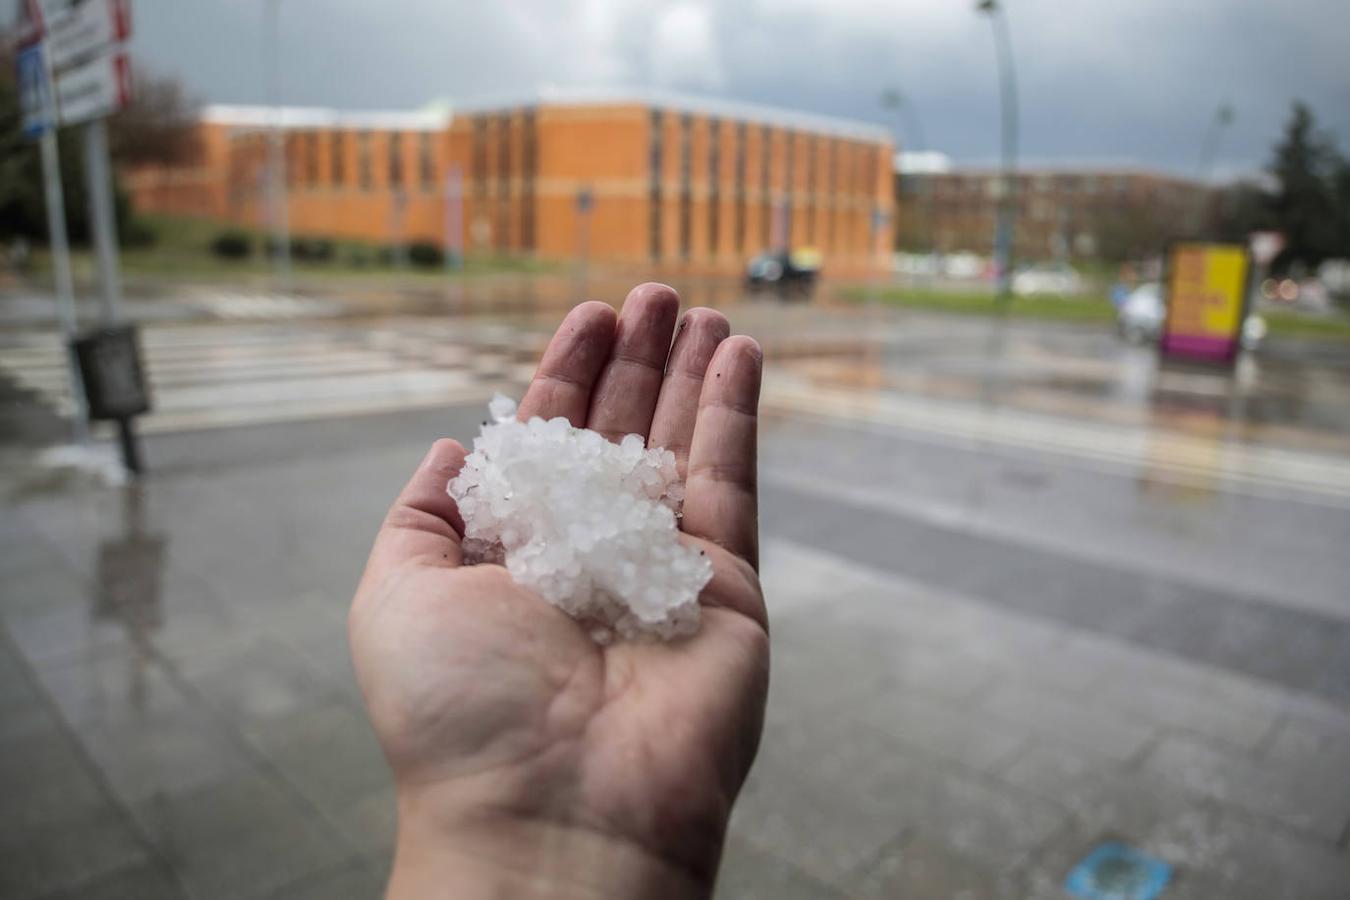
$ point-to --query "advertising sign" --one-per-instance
(1206, 297)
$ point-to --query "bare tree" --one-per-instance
(157, 126)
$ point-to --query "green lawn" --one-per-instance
(1289, 324)
(1091, 308)
(180, 247)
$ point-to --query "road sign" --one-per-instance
(1206, 297)
(1265, 246)
(585, 200)
(86, 29)
(33, 90)
(93, 89)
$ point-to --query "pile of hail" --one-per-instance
(589, 525)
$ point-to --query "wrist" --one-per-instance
(476, 857)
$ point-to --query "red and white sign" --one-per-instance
(1265, 246)
(93, 89)
(85, 29)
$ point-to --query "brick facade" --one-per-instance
(684, 184)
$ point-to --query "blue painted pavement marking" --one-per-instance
(1116, 871)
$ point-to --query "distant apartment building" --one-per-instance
(1062, 212)
(663, 179)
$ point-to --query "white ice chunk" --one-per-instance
(502, 408)
(588, 524)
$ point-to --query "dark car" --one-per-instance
(787, 274)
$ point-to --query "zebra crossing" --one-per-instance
(220, 375)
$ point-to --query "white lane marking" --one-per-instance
(1176, 454)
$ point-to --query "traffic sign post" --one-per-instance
(38, 105)
(73, 70)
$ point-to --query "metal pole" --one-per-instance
(454, 218)
(584, 239)
(1209, 146)
(60, 250)
(65, 288)
(277, 200)
(907, 120)
(102, 218)
(1007, 77)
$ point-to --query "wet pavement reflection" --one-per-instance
(1028, 588)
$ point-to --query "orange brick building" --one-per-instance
(670, 180)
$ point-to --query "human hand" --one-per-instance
(529, 760)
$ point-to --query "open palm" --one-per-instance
(496, 710)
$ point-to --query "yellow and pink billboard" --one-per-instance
(1206, 301)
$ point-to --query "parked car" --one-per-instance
(1140, 318)
(788, 274)
(1043, 280)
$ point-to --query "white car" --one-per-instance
(1044, 280)
(1141, 315)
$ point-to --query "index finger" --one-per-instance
(565, 379)
(721, 501)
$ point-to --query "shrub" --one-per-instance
(312, 249)
(232, 245)
(137, 233)
(425, 254)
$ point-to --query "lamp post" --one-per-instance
(277, 201)
(1007, 79)
(907, 121)
(1209, 147)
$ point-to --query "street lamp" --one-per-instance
(1007, 79)
(907, 121)
(277, 202)
(1209, 145)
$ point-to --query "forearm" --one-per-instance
(531, 860)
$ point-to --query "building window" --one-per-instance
(291, 157)
(480, 156)
(364, 173)
(765, 196)
(312, 158)
(740, 187)
(789, 194)
(686, 192)
(832, 186)
(714, 182)
(426, 161)
(504, 181)
(811, 149)
(529, 163)
(654, 147)
(337, 162)
(395, 160)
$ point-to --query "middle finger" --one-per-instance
(625, 393)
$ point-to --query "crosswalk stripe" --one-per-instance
(1181, 455)
(215, 376)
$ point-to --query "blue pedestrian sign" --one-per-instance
(33, 91)
(585, 200)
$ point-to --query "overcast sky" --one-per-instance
(1124, 80)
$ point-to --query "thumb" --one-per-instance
(424, 521)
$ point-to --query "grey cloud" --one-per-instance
(1131, 79)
